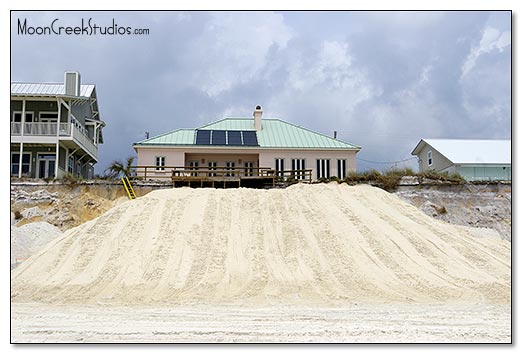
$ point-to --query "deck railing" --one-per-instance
(218, 173)
(50, 129)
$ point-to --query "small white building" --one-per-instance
(473, 159)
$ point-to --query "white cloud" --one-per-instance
(233, 47)
(491, 40)
(333, 73)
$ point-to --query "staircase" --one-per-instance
(128, 188)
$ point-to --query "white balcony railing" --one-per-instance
(41, 129)
(49, 129)
(84, 141)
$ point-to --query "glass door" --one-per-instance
(46, 166)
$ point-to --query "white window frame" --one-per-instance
(324, 166)
(249, 168)
(48, 120)
(20, 161)
(194, 166)
(429, 159)
(70, 166)
(26, 113)
(212, 165)
(160, 163)
(341, 173)
(230, 166)
(38, 159)
(298, 164)
(279, 166)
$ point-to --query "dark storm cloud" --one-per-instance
(383, 80)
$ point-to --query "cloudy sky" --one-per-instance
(382, 80)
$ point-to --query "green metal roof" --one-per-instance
(275, 133)
(230, 124)
(176, 137)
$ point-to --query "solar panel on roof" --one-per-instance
(203, 137)
(219, 137)
(234, 138)
(250, 138)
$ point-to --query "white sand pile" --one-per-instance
(324, 243)
(31, 238)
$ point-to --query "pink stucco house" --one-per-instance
(247, 144)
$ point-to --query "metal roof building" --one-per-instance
(257, 142)
(56, 128)
(48, 90)
(474, 159)
(276, 133)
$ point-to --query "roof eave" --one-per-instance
(170, 145)
(418, 147)
(50, 96)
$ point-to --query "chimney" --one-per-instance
(72, 83)
(335, 134)
(257, 118)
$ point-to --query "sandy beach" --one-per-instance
(305, 254)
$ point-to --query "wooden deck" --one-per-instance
(225, 177)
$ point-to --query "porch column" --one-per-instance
(22, 140)
(57, 162)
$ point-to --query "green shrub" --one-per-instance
(389, 182)
(441, 176)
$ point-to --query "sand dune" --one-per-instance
(324, 243)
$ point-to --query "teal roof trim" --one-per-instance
(275, 133)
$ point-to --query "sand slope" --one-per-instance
(307, 244)
(30, 238)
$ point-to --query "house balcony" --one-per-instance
(48, 132)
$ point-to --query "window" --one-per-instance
(17, 117)
(193, 166)
(297, 166)
(249, 168)
(47, 117)
(231, 165)
(430, 159)
(78, 168)
(15, 163)
(323, 168)
(70, 165)
(160, 163)
(46, 165)
(212, 167)
(341, 169)
(279, 166)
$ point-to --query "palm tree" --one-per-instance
(117, 168)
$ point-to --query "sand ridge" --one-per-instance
(323, 243)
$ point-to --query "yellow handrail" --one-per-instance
(128, 188)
